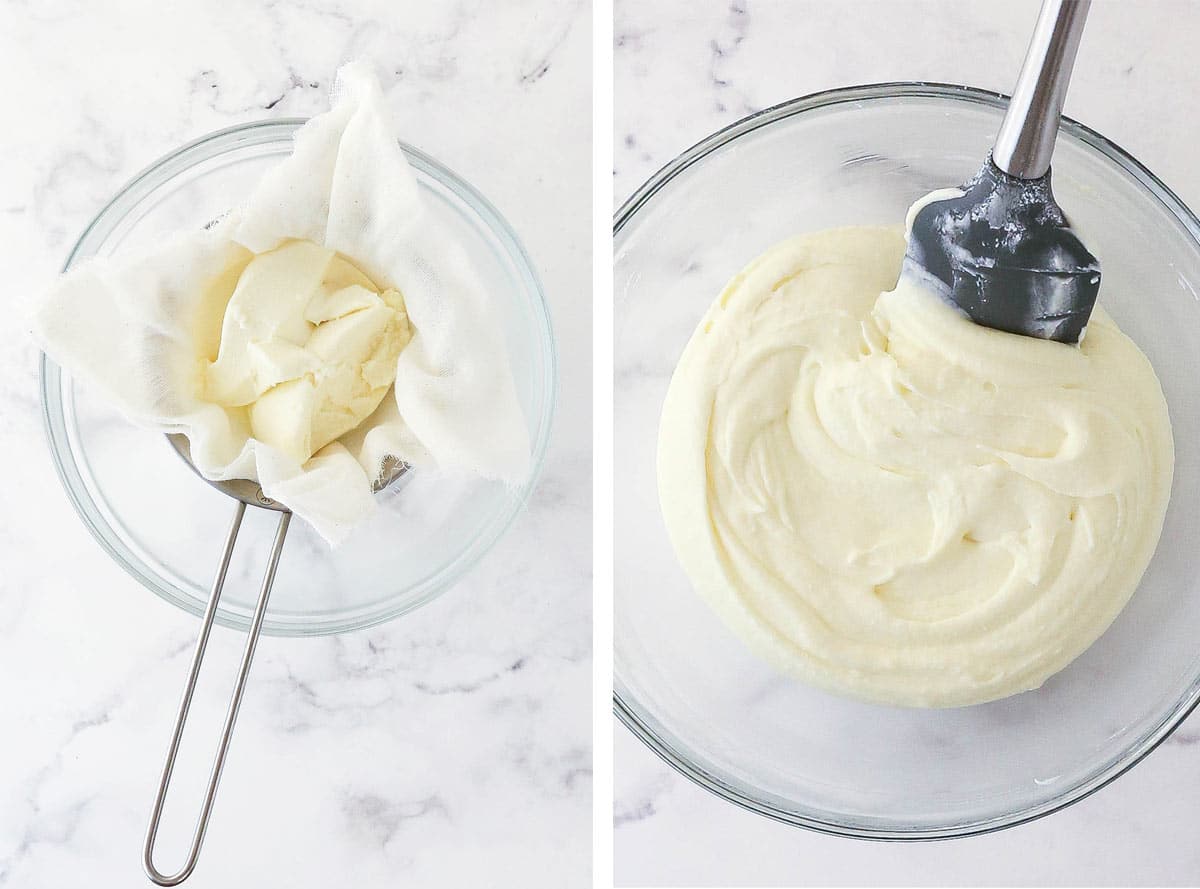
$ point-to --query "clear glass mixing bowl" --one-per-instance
(692, 691)
(165, 526)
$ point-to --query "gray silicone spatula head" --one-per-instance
(1002, 250)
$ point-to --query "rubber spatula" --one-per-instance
(1002, 250)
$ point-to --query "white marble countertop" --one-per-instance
(448, 748)
(685, 69)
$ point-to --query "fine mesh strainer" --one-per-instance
(246, 493)
(426, 537)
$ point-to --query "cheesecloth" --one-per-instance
(140, 326)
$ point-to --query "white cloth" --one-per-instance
(138, 325)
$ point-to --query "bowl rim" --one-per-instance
(278, 131)
(667, 746)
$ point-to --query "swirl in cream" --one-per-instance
(890, 502)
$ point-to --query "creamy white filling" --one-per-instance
(893, 503)
(308, 348)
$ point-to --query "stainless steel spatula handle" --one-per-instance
(1026, 138)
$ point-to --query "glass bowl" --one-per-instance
(691, 690)
(165, 526)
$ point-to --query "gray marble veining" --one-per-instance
(684, 70)
(448, 748)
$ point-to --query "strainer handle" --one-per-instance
(210, 612)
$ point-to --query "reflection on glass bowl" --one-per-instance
(685, 685)
(165, 526)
